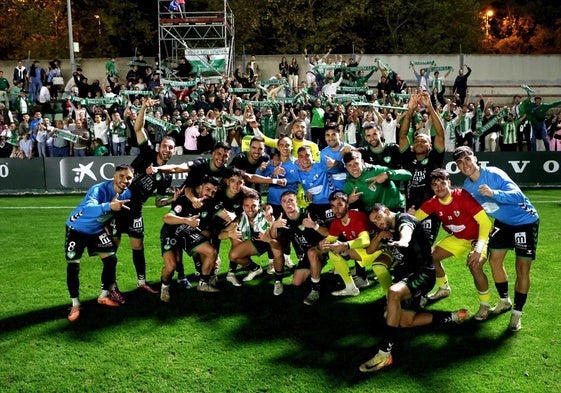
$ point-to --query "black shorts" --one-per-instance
(190, 238)
(431, 226)
(260, 246)
(523, 238)
(419, 285)
(168, 240)
(129, 222)
(76, 242)
(304, 261)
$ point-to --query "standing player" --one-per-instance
(298, 137)
(368, 184)
(305, 233)
(285, 167)
(516, 226)
(421, 159)
(316, 185)
(413, 277)
(85, 228)
(332, 156)
(376, 152)
(468, 227)
(145, 182)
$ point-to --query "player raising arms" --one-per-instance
(145, 182)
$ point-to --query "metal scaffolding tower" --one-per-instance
(204, 39)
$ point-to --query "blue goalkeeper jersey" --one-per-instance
(93, 213)
(290, 174)
(317, 183)
(509, 205)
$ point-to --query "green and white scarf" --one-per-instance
(260, 224)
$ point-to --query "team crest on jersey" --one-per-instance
(178, 209)
(456, 213)
(204, 214)
(425, 161)
(387, 159)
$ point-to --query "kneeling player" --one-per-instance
(253, 231)
(181, 230)
(305, 233)
(468, 227)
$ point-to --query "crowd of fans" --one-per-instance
(42, 116)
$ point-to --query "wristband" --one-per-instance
(275, 181)
(316, 227)
(479, 246)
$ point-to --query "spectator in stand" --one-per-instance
(293, 74)
(423, 78)
(252, 68)
(438, 85)
(26, 146)
(4, 88)
(525, 129)
(81, 83)
(101, 128)
(36, 79)
(98, 148)
(41, 135)
(317, 124)
(80, 147)
(44, 98)
(509, 131)
(536, 112)
(118, 131)
(20, 73)
(283, 67)
(23, 126)
(465, 127)
(53, 72)
(60, 145)
(460, 84)
(191, 135)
